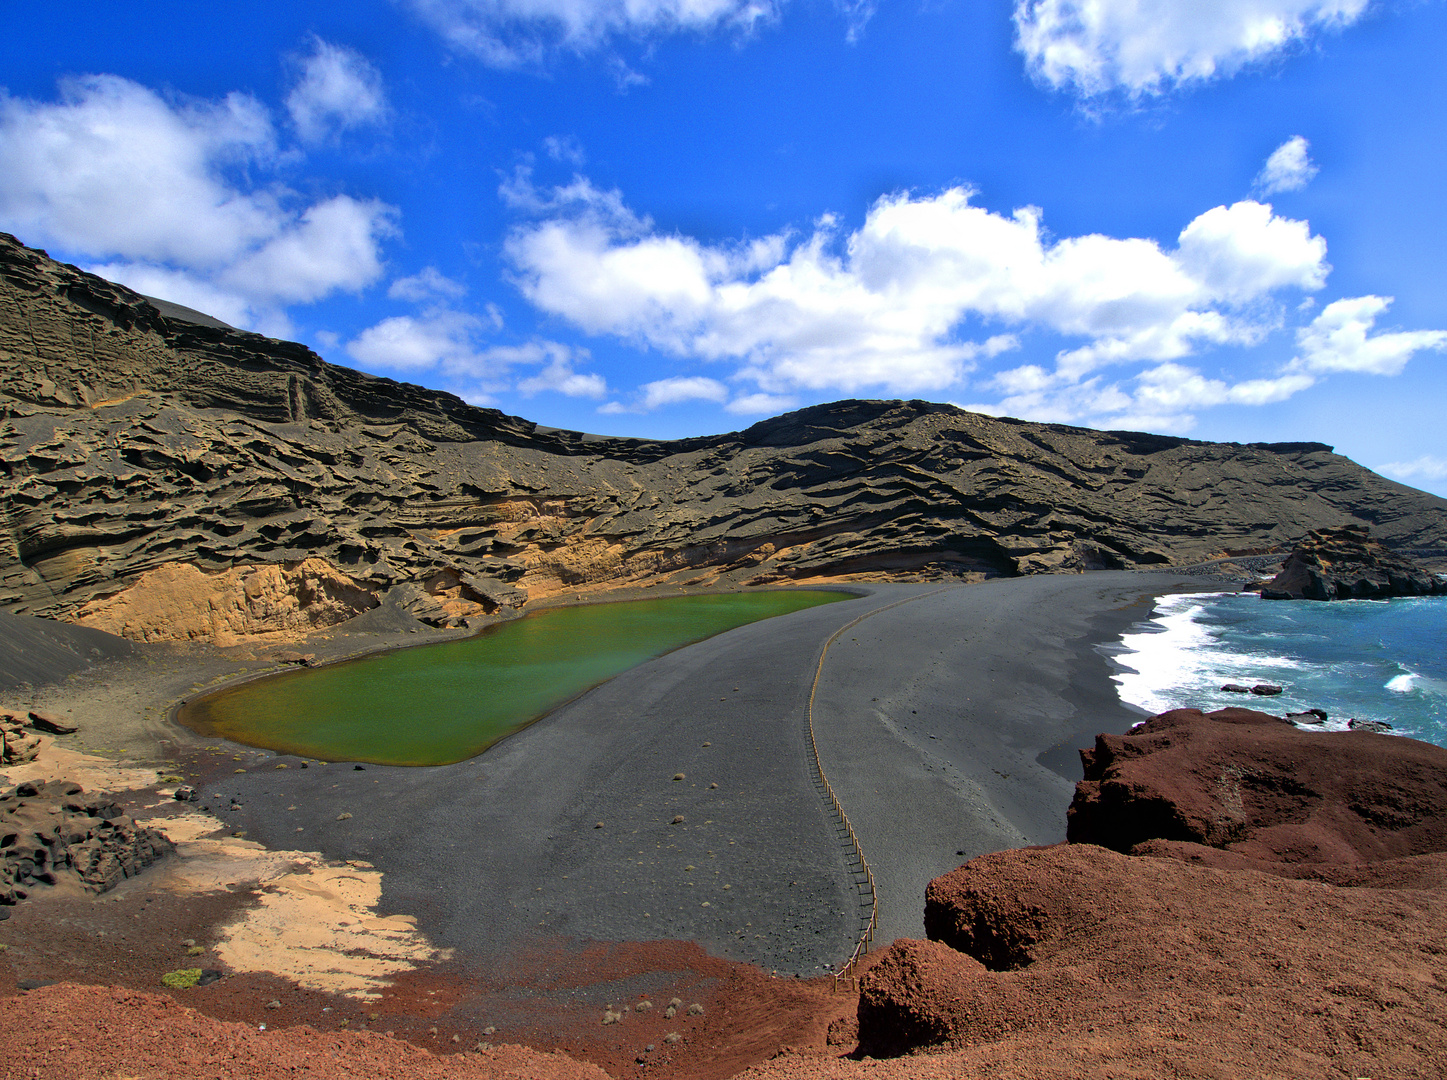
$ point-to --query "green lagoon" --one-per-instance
(436, 704)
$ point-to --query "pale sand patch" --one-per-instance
(316, 922)
(89, 771)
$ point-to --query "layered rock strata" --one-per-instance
(1347, 564)
(132, 441)
(51, 829)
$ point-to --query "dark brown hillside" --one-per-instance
(139, 450)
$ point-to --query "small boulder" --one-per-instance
(1263, 689)
(1236, 688)
(1379, 726)
(52, 724)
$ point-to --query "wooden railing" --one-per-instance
(846, 970)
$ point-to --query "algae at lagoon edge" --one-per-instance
(443, 703)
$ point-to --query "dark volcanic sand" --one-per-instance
(502, 851)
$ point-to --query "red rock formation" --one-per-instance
(1198, 948)
(1251, 784)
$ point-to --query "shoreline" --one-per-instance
(500, 857)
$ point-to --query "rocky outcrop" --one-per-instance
(1282, 904)
(1256, 787)
(51, 829)
(17, 745)
(1346, 564)
(130, 440)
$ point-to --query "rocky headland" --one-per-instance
(1345, 563)
(167, 477)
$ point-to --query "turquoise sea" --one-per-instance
(1366, 659)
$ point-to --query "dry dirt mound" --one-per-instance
(68, 1032)
(130, 440)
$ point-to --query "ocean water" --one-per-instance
(1365, 659)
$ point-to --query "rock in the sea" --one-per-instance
(1381, 727)
(1345, 563)
(1266, 689)
(1236, 688)
(1257, 787)
(50, 829)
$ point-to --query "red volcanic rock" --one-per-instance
(1081, 961)
(1255, 786)
(1217, 972)
(923, 993)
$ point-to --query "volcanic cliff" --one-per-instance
(166, 476)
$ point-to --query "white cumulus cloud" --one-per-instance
(450, 345)
(440, 339)
(1340, 339)
(338, 89)
(1149, 47)
(1289, 168)
(154, 192)
(925, 289)
(559, 375)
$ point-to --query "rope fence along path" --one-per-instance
(864, 876)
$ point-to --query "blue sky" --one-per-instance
(675, 217)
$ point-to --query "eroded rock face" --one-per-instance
(1254, 785)
(17, 745)
(52, 829)
(180, 602)
(131, 441)
(1346, 564)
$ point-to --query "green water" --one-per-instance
(443, 703)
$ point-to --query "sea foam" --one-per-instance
(1369, 660)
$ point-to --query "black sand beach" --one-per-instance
(932, 718)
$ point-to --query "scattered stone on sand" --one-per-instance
(695, 1009)
(679, 776)
(677, 819)
(52, 829)
(52, 724)
(1345, 563)
(178, 1041)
